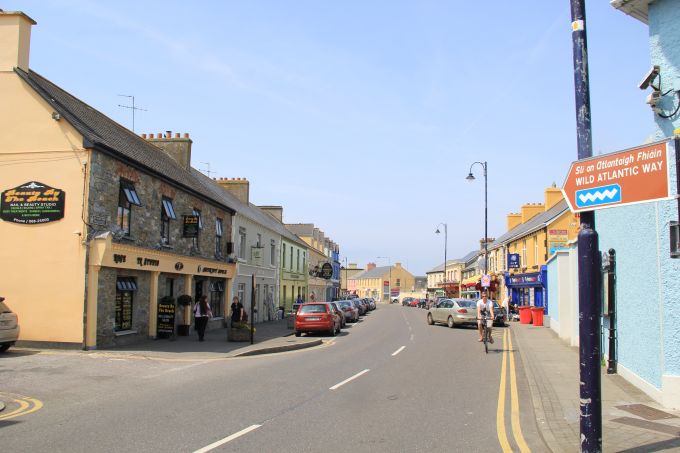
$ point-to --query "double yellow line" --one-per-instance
(26, 405)
(514, 400)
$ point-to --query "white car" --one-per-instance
(453, 312)
(9, 326)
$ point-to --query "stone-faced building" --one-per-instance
(99, 224)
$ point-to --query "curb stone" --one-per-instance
(290, 347)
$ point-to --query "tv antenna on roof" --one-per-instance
(207, 172)
(132, 107)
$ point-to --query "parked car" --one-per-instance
(371, 302)
(361, 307)
(453, 312)
(422, 303)
(406, 301)
(413, 302)
(9, 326)
(339, 312)
(316, 317)
(350, 310)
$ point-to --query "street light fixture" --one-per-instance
(389, 290)
(470, 177)
(445, 247)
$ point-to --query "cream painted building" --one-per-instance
(376, 282)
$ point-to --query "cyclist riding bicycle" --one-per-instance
(484, 307)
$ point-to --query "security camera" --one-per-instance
(649, 78)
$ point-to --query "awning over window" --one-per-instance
(126, 284)
(217, 287)
(471, 281)
(168, 209)
(130, 193)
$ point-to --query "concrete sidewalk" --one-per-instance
(631, 421)
(270, 337)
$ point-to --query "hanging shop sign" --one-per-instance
(166, 317)
(32, 203)
(486, 281)
(326, 271)
(513, 260)
(190, 226)
(635, 175)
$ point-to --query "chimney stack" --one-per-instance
(177, 148)
(370, 266)
(529, 210)
(274, 211)
(514, 219)
(15, 40)
(553, 195)
(239, 187)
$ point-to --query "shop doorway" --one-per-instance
(198, 290)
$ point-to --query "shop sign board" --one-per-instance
(166, 318)
(386, 286)
(513, 260)
(486, 281)
(636, 175)
(32, 203)
(557, 240)
(326, 271)
(190, 226)
(525, 279)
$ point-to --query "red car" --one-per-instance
(317, 317)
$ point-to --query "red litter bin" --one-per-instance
(537, 316)
(524, 315)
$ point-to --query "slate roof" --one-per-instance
(376, 272)
(440, 268)
(102, 132)
(535, 223)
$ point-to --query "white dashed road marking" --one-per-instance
(228, 439)
(349, 379)
(398, 351)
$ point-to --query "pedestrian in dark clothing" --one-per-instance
(237, 311)
(202, 314)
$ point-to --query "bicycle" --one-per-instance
(486, 321)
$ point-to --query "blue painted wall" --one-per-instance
(648, 283)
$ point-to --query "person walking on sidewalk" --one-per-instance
(237, 311)
(202, 314)
(484, 307)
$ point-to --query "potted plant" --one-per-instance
(240, 332)
(184, 301)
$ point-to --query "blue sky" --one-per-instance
(362, 117)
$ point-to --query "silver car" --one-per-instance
(9, 326)
(453, 312)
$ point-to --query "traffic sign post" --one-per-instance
(622, 178)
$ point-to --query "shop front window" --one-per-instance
(216, 299)
(125, 288)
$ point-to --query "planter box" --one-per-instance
(238, 334)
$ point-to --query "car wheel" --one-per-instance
(430, 321)
(298, 333)
(450, 322)
(333, 331)
(4, 347)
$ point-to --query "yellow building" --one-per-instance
(517, 258)
(99, 226)
(376, 282)
(347, 273)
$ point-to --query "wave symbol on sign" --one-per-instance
(593, 196)
(596, 196)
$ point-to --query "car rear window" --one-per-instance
(345, 304)
(4, 308)
(313, 308)
(467, 303)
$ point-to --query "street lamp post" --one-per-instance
(445, 247)
(470, 177)
(389, 289)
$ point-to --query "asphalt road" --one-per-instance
(389, 383)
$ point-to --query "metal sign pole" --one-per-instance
(589, 258)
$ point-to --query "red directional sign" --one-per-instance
(635, 175)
